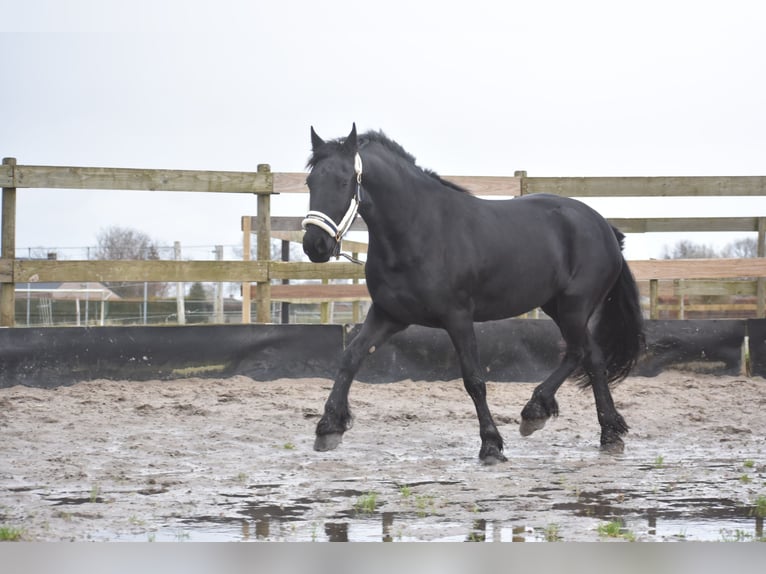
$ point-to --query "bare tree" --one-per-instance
(121, 243)
(125, 243)
(741, 248)
(686, 249)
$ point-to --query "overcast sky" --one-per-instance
(556, 88)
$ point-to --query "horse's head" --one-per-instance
(333, 192)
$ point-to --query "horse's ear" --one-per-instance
(316, 141)
(350, 143)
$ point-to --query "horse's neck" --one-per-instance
(395, 205)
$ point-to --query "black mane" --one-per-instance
(332, 147)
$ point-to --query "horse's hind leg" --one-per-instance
(613, 426)
(464, 339)
(377, 328)
(542, 405)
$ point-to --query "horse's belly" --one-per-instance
(503, 307)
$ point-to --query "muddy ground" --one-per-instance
(232, 459)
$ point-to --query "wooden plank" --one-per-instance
(6, 173)
(55, 177)
(290, 182)
(293, 223)
(8, 250)
(34, 271)
(246, 239)
(295, 182)
(304, 270)
(684, 224)
(348, 246)
(626, 225)
(696, 287)
(488, 185)
(317, 293)
(697, 268)
(263, 254)
(647, 186)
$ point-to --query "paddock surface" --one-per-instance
(231, 459)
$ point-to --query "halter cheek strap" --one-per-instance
(326, 223)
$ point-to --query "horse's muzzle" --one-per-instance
(318, 245)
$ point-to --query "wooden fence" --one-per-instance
(687, 277)
(263, 183)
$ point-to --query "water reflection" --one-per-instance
(695, 519)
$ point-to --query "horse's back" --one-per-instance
(539, 247)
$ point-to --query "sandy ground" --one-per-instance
(232, 459)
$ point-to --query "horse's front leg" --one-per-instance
(464, 339)
(376, 330)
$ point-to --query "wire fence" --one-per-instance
(165, 252)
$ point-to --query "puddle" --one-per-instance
(592, 516)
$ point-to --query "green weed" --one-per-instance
(615, 529)
(425, 505)
(759, 508)
(551, 533)
(366, 504)
(10, 534)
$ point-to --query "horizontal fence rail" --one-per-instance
(263, 272)
(129, 179)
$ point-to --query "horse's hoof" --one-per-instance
(491, 457)
(613, 446)
(528, 426)
(325, 442)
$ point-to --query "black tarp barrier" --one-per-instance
(529, 350)
(511, 350)
(706, 345)
(756, 331)
(53, 356)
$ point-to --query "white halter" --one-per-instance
(326, 222)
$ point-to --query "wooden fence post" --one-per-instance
(247, 230)
(522, 175)
(7, 295)
(285, 314)
(263, 288)
(180, 300)
(654, 288)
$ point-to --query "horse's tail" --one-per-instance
(619, 327)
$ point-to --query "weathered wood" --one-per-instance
(98, 178)
(715, 288)
(684, 224)
(305, 270)
(317, 293)
(295, 182)
(647, 186)
(6, 172)
(263, 251)
(697, 268)
(33, 271)
(8, 249)
(286, 225)
(290, 223)
(246, 233)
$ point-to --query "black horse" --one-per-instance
(441, 257)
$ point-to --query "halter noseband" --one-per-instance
(326, 223)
